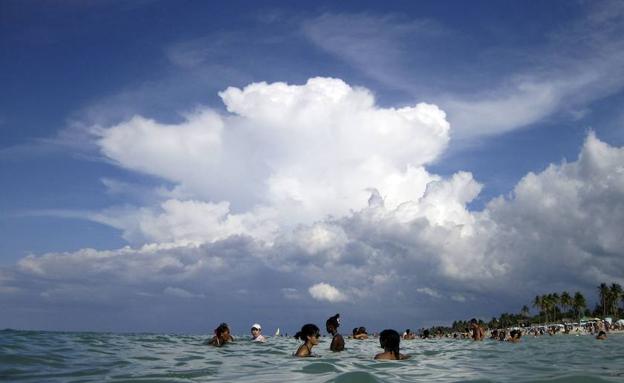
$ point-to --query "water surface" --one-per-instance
(32, 356)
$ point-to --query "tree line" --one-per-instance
(554, 307)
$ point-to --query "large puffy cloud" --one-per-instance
(305, 151)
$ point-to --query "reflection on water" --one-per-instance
(31, 356)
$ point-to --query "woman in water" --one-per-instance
(332, 325)
(389, 341)
(310, 335)
(222, 336)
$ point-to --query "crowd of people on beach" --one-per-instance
(389, 339)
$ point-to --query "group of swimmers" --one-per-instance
(310, 334)
(389, 339)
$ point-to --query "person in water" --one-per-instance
(408, 335)
(360, 333)
(601, 335)
(310, 335)
(389, 340)
(332, 325)
(256, 333)
(514, 336)
(477, 331)
(221, 336)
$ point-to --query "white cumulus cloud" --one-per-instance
(301, 151)
(326, 292)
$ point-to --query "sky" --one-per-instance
(167, 166)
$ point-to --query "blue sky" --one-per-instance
(208, 134)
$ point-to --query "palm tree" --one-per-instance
(615, 293)
(566, 300)
(537, 303)
(524, 311)
(579, 303)
(548, 303)
(554, 303)
(603, 291)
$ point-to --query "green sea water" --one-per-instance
(33, 356)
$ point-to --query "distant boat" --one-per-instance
(277, 333)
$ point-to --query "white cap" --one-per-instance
(255, 325)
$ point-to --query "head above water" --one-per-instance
(389, 340)
(222, 329)
(333, 323)
(308, 330)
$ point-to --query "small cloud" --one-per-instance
(458, 298)
(290, 293)
(430, 292)
(326, 292)
(181, 293)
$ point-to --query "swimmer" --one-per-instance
(425, 334)
(494, 334)
(502, 335)
(514, 336)
(389, 341)
(310, 335)
(222, 336)
(360, 333)
(477, 331)
(407, 335)
(332, 325)
(601, 335)
(256, 333)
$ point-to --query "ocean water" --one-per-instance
(33, 356)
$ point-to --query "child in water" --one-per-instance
(389, 341)
(332, 325)
(222, 336)
(310, 335)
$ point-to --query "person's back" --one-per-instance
(390, 340)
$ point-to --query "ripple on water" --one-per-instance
(319, 368)
(355, 377)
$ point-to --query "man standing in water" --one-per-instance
(477, 331)
(332, 325)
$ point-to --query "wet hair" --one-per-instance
(408, 331)
(333, 321)
(601, 333)
(473, 321)
(355, 331)
(390, 340)
(362, 330)
(223, 327)
(306, 331)
(425, 334)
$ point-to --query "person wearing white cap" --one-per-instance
(256, 335)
